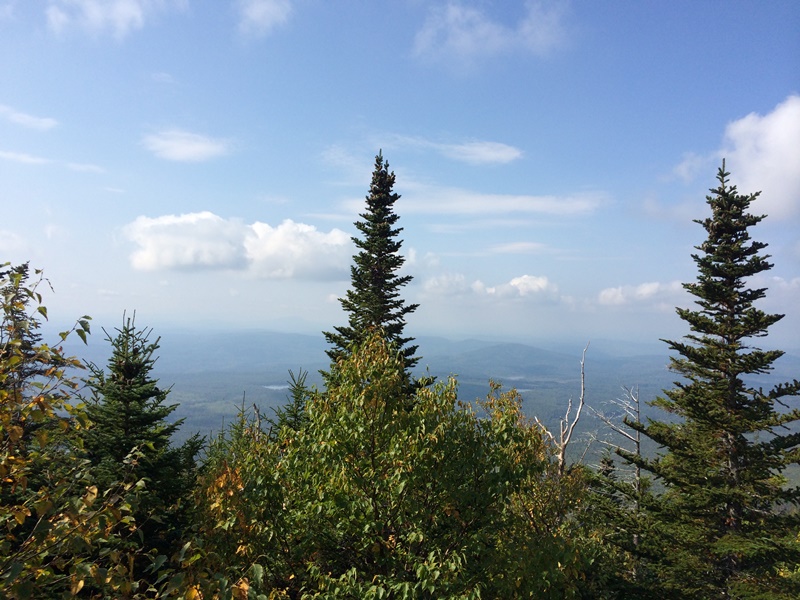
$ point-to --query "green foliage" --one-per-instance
(54, 520)
(722, 526)
(372, 500)
(374, 302)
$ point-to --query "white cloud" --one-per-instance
(29, 159)
(26, 120)
(207, 241)
(467, 34)
(23, 158)
(783, 284)
(475, 152)
(422, 199)
(517, 248)
(660, 293)
(613, 295)
(296, 250)
(481, 153)
(193, 240)
(85, 168)
(446, 285)
(259, 17)
(120, 17)
(529, 285)
(763, 153)
(525, 286)
(178, 145)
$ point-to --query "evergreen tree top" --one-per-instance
(373, 301)
(727, 258)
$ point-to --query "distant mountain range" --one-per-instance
(212, 374)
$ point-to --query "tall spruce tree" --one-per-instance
(727, 520)
(374, 301)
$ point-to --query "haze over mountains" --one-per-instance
(213, 374)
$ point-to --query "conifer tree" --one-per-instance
(293, 414)
(374, 301)
(128, 412)
(726, 520)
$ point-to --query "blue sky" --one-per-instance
(202, 163)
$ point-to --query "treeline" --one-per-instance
(381, 485)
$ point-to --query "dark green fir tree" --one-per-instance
(727, 520)
(128, 411)
(293, 414)
(374, 301)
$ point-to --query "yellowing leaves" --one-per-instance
(90, 496)
(20, 513)
(193, 593)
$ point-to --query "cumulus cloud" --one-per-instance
(259, 17)
(195, 240)
(120, 17)
(467, 34)
(26, 120)
(179, 145)
(645, 292)
(763, 153)
(529, 285)
(526, 286)
(207, 241)
(297, 250)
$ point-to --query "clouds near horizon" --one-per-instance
(525, 286)
(649, 292)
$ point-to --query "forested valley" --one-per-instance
(382, 483)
